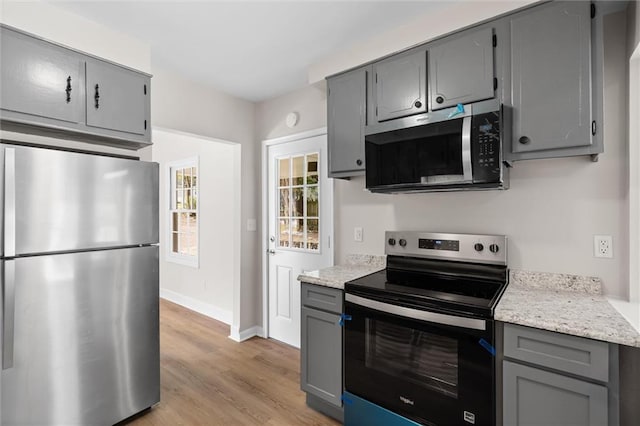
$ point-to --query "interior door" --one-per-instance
(300, 215)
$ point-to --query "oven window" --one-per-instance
(425, 359)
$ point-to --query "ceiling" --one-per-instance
(255, 50)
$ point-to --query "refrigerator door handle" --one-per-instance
(10, 202)
(8, 312)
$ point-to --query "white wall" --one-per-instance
(550, 214)
(633, 52)
(208, 288)
(310, 103)
(180, 104)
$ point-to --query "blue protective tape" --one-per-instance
(346, 399)
(459, 110)
(487, 346)
(343, 318)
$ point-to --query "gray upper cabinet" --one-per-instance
(51, 90)
(400, 85)
(116, 98)
(40, 80)
(347, 114)
(551, 80)
(461, 69)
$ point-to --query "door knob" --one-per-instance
(271, 251)
(272, 239)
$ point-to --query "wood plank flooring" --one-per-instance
(208, 379)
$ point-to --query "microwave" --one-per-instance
(449, 150)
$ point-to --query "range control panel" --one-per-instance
(490, 249)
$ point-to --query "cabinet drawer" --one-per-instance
(325, 298)
(571, 354)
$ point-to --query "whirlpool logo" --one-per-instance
(406, 400)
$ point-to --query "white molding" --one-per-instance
(322, 131)
(191, 135)
(298, 136)
(241, 336)
(198, 306)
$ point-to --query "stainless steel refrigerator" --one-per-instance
(79, 272)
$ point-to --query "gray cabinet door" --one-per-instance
(346, 116)
(536, 397)
(551, 77)
(400, 85)
(461, 69)
(40, 79)
(117, 98)
(321, 355)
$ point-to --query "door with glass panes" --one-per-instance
(300, 216)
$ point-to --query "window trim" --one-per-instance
(171, 256)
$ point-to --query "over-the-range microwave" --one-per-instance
(449, 150)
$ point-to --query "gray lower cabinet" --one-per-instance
(461, 69)
(536, 397)
(347, 114)
(400, 85)
(551, 81)
(55, 91)
(556, 379)
(321, 349)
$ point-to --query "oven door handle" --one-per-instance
(416, 314)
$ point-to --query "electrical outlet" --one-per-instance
(602, 246)
(357, 234)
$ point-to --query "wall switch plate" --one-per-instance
(357, 234)
(603, 246)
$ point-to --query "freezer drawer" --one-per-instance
(81, 337)
(60, 201)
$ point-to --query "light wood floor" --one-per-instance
(208, 379)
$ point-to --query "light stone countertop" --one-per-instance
(566, 304)
(357, 266)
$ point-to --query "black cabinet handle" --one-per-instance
(68, 89)
(97, 96)
(524, 140)
(439, 99)
(359, 162)
(418, 104)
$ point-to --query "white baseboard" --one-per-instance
(241, 336)
(198, 306)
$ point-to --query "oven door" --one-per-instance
(433, 368)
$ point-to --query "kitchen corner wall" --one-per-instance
(550, 214)
(180, 104)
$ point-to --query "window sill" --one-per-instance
(191, 261)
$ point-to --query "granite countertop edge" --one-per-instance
(562, 303)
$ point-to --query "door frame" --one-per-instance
(322, 131)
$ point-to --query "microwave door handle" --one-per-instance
(402, 311)
(466, 150)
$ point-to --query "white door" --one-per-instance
(300, 209)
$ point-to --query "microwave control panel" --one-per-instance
(486, 147)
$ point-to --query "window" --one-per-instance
(298, 194)
(183, 212)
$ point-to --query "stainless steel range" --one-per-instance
(419, 335)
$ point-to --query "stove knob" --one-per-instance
(392, 241)
(493, 248)
(478, 247)
(403, 242)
